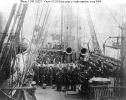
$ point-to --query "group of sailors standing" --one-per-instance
(57, 74)
(72, 74)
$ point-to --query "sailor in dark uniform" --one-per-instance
(55, 70)
(41, 74)
(99, 72)
(64, 72)
(46, 75)
(90, 72)
(50, 75)
(85, 84)
(67, 78)
(36, 74)
(105, 70)
(74, 78)
(59, 76)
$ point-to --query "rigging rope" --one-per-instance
(29, 61)
(46, 27)
(32, 39)
(45, 22)
(85, 33)
(34, 25)
(40, 33)
(99, 37)
(93, 32)
(40, 15)
(46, 32)
(112, 15)
(54, 22)
(11, 32)
(38, 36)
(44, 35)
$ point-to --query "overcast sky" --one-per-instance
(104, 23)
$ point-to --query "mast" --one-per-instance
(7, 26)
(123, 47)
(62, 43)
(21, 20)
(77, 57)
(61, 23)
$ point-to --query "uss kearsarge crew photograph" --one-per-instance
(62, 51)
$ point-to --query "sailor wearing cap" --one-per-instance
(59, 76)
(36, 74)
(74, 78)
(41, 74)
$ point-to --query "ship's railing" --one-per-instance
(20, 88)
(26, 93)
(107, 92)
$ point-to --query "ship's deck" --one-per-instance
(51, 94)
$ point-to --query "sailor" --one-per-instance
(64, 70)
(41, 74)
(100, 72)
(59, 65)
(117, 74)
(76, 64)
(55, 70)
(82, 62)
(74, 78)
(90, 72)
(36, 74)
(59, 79)
(94, 68)
(78, 74)
(50, 75)
(111, 70)
(28, 80)
(67, 78)
(85, 84)
(47, 75)
(105, 70)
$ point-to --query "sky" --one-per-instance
(101, 14)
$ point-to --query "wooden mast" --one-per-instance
(61, 35)
(61, 23)
(7, 26)
(123, 47)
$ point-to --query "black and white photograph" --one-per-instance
(62, 50)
